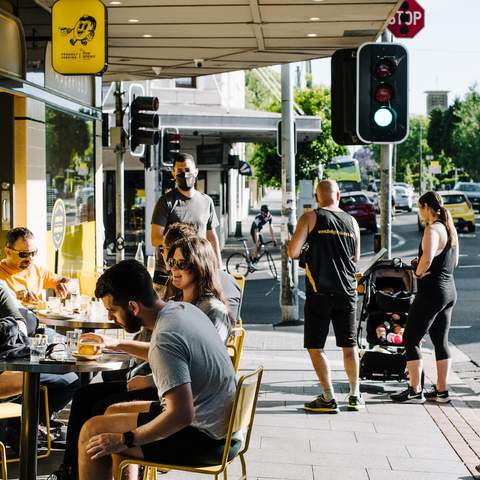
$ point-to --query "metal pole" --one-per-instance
(119, 176)
(386, 186)
(289, 283)
(386, 196)
(421, 186)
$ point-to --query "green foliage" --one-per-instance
(466, 134)
(267, 165)
(440, 130)
(257, 95)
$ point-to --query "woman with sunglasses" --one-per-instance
(195, 278)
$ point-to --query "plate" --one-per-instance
(79, 356)
(55, 315)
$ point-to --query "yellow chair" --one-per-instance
(235, 346)
(240, 280)
(14, 410)
(241, 418)
(3, 459)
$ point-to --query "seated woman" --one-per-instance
(195, 279)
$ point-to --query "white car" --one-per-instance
(403, 198)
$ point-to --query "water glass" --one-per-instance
(73, 336)
(38, 348)
(73, 286)
(84, 305)
(53, 304)
(151, 265)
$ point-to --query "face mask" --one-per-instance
(185, 180)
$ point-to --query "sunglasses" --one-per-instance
(24, 253)
(180, 264)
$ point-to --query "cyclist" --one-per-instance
(258, 223)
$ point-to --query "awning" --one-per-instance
(163, 38)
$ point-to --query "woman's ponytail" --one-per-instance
(447, 220)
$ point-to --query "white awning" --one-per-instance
(162, 38)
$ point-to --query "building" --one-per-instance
(437, 99)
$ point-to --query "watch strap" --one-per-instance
(129, 439)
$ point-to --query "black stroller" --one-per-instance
(389, 288)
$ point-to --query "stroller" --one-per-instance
(389, 288)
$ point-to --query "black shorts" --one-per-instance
(188, 446)
(320, 309)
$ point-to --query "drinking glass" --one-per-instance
(74, 289)
(73, 336)
(38, 348)
(53, 304)
(84, 305)
(151, 265)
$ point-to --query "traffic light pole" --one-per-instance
(289, 281)
(119, 177)
(386, 153)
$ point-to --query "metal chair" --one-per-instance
(14, 410)
(240, 280)
(241, 418)
(235, 346)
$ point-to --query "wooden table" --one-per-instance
(30, 398)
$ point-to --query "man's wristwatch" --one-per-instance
(129, 439)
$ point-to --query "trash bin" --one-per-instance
(238, 229)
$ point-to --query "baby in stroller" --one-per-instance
(389, 325)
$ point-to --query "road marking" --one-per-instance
(469, 266)
(463, 255)
(301, 294)
(460, 327)
(401, 241)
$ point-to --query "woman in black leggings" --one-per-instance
(431, 311)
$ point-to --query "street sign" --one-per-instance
(245, 169)
(59, 223)
(408, 21)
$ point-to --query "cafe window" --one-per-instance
(186, 82)
(70, 166)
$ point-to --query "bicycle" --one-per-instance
(242, 263)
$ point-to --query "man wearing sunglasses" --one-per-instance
(21, 274)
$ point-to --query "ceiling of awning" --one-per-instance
(162, 38)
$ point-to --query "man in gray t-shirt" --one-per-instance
(191, 370)
(183, 204)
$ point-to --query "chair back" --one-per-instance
(240, 280)
(235, 346)
(243, 410)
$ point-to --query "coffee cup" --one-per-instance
(89, 348)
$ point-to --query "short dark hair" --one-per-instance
(127, 281)
(183, 157)
(15, 233)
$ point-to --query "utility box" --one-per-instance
(306, 197)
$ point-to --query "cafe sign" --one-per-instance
(79, 37)
(59, 224)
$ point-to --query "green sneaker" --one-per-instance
(320, 405)
(355, 403)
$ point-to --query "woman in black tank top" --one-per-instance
(436, 295)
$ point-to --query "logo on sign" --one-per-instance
(83, 31)
(59, 223)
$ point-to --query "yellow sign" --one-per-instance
(79, 37)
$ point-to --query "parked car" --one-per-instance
(404, 185)
(403, 198)
(471, 190)
(460, 208)
(361, 208)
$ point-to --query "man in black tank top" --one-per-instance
(333, 240)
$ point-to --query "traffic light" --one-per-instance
(344, 97)
(170, 146)
(143, 123)
(382, 93)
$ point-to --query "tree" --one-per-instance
(267, 165)
(466, 134)
(440, 130)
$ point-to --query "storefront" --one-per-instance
(51, 130)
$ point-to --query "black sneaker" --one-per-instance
(63, 473)
(408, 396)
(320, 405)
(434, 395)
(355, 403)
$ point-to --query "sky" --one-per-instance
(445, 55)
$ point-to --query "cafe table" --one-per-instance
(81, 322)
(30, 398)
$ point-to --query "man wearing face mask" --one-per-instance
(183, 204)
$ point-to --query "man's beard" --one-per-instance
(132, 323)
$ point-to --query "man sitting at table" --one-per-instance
(21, 274)
(192, 372)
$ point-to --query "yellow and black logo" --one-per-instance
(83, 31)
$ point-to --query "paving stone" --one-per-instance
(382, 449)
(432, 452)
(402, 438)
(341, 473)
(374, 474)
(427, 465)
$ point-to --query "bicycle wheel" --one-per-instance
(238, 263)
(271, 266)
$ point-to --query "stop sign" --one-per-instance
(408, 21)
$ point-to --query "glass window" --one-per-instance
(186, 82)
(70, 166)
(453, 199)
